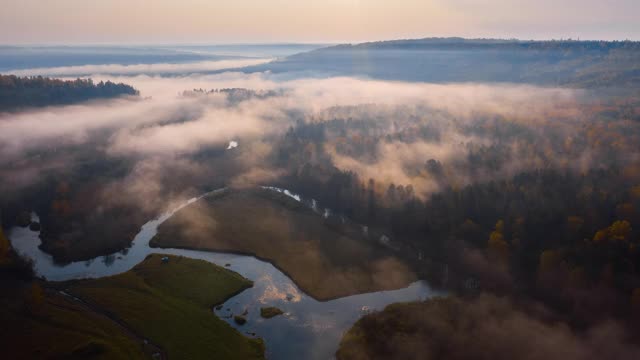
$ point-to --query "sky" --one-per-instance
(321, 21)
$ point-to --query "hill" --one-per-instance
(582, 64)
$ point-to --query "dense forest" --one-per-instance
(533, 209)
(205, 179)
(533, 221)
(24, 92)
(569, 45)
(524, 205)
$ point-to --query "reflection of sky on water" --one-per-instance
(271, 291)
(308, 329)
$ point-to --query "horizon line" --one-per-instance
(302, 43)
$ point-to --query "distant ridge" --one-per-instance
(567, 63)
(487, 43)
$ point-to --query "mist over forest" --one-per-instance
(504, 173)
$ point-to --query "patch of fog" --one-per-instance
(308, 329)
(138, 69)
(232, 145)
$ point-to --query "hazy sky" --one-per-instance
(234, 21)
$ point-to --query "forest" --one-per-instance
(544, 206)
(291, 180)
(18, 93)
(521, 202)
(515, 216)
(571, 63)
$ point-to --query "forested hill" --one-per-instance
(24, 92)
(454, 43)
(582, 64)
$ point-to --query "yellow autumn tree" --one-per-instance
(618, 231)
(498, 248)
(601, 235)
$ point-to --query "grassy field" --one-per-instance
(61, 329)
(325, 263)
(39, 323)
(170, 303)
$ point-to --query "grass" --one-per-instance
(199, 281)
(61, 329)
(325, 263)
(171, 305)
(270, 311)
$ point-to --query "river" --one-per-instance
(309, 329)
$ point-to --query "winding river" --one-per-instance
(309, 329)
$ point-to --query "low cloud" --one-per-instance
(152, 69)
(393, 162)
(65, 125)
(196, 120)
(165, 123)
(487, 327)
(213, 127)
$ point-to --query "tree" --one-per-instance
(618, 231)
(498, 247)
(22, 92)
(4, 248)
(549, 259)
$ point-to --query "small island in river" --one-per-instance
(270, 311)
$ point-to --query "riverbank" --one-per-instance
(170, 302)
(324, 262)
(40, 322)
